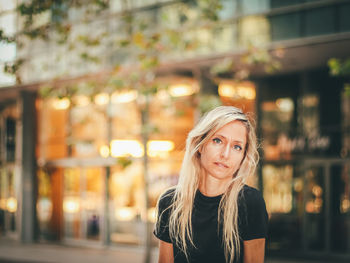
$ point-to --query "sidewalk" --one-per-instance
(12, 251)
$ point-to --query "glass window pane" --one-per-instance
(126, 204)
(8, 24)
(6, 79)
(254, 30)
(89, 125)
(308, 112)
(44, 204)
(8, 52)
(340, 204)
(52, 120)
(314, 208)
(345, 120)
(277, 128)
(10, 139)
(2, 200)
(344, 17)
(283, 194)
(281, 3)
(254, 6)
(92, 203)
(225, 37)
(320, 21)
(229, 9)
(6, 5)
(285, 26)
(278, 188)
(72, 203)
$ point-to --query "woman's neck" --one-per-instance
(212, 187)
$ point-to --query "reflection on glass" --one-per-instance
(8, 201)
(345, 109)
(82, 203)
(314, 208)
(340, 204)
(254, 30)
(126, 203)
(309, 114)
(314, 197)
(255, 6)
(278, 188)
(276, 124)
(60, 104)
(52, 131)
(71, 200)
(225, 35)
(89, 126)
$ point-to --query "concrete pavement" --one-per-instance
(12, 251)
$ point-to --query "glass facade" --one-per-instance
(9, 171)
(304, 170)
(92, 148)
(7, 50)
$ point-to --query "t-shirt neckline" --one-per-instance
(209, 199)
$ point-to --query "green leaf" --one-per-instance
(124, 162)
(208, 102)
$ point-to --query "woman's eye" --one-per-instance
(216, 140)
(237, 147)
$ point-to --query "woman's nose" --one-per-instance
(225, 151)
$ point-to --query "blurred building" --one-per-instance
(62, 174)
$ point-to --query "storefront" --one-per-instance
(305, 170)
(91, 166)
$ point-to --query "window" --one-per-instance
(285, 26)
(340, 204)
(89, 125)
(344, 18)
(254, 30)
(314, 207)
(7, 50)
(82, 203)
(319, 21)
(276, 122)
(52, 128)
(254, 6)
(10, 139)
(282, 3)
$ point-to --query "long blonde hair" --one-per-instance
(180, 225)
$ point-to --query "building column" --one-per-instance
(208, 87)
(29, 182)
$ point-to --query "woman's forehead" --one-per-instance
(235, 129)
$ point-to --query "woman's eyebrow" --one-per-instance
(222, 136)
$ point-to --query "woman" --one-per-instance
(211, 215)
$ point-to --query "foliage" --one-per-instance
(252, 58)
(339, 67)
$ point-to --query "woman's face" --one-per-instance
(222, 155)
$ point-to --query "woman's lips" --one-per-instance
(221, 164)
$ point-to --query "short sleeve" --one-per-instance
(253, 218)
(161, 230)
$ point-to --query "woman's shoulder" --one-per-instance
(166, 198)
(251, 196)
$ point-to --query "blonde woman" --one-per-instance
(211, 215)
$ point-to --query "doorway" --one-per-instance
(326, 222)
(83, 203)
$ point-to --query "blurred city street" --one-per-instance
(12, 251)
(98, 99)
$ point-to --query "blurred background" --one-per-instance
(97, 98)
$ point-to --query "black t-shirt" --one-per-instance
(207, 237)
